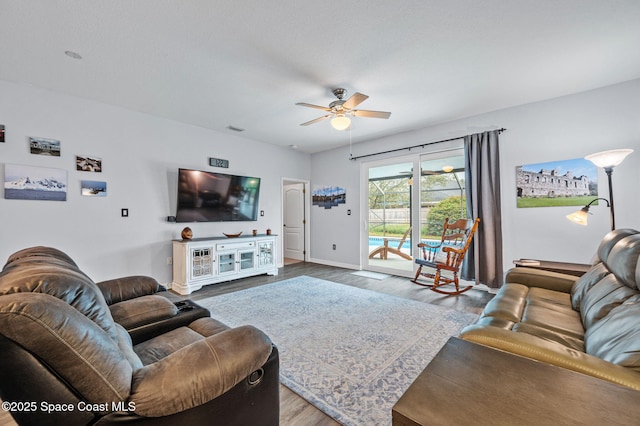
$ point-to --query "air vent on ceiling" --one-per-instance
(235, 129)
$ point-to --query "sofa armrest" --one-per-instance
(553, 353)
(126, 288)
(200, 372)
(539, 278)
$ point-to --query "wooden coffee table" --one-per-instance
(470, 384)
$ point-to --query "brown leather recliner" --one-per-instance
(64, 360)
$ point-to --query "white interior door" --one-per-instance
(294, 221)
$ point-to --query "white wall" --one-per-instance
(557, 129)
(141, 155)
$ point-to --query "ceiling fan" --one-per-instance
(340, 110)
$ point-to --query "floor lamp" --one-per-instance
(607, 160)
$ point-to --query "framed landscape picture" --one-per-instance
(34, 183)
(557, 183)
(85, 163)
(42, 146)
(328, 196)
(94, 188)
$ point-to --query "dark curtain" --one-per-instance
(483, 262)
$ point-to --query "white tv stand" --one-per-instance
(203, 261)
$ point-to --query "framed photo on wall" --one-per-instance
(94, 188)
(34, 183)
(85, 163)
(42, 146)
(557, 183)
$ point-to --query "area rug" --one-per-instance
(350, 352)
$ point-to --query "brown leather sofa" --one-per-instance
(589, 324)
(65, 360)
(145, 308)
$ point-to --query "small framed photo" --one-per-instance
(85, 163)
(93, 188)
(42, 146)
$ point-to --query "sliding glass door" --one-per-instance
(389, 207)
(406, 201)
(442, 191)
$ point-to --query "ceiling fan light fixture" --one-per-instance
(340, 122)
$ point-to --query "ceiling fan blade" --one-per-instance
(316, 120)
(313, 106)
(355, 100)
(371, 114)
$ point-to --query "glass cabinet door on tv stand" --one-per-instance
(226, 263)
(246, 260)
(236, 261)
(266, 255)
(201, 262)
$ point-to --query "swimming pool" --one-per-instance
(393, 242)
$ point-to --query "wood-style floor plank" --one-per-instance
(294, 410)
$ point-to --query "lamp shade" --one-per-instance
(340, 122)
(580, 217)
(608, 158)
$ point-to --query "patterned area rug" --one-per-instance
(350, 352)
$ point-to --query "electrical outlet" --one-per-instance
(334, 246)
(169, 260)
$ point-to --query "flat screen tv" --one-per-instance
(216, 197)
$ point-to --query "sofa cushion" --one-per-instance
(126, 346)
(159, 347)
(65, 283)
(565, 339)
(72, 345)
(616, 338)
(508, 304)
(610, 240)
(605, 295)
(552, 310)
(623, 261)
(40, 254)
(582, 286)
(208, 326)
(142, 310)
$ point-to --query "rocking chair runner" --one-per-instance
(384, 249)
(447, 255)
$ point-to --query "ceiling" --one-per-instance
(245, 63)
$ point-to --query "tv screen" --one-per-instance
(216, 197)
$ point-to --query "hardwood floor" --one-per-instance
(294, 410)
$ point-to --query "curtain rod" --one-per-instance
(422, 145)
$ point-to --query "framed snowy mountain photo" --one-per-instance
(34, 183)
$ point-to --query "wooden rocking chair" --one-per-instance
(384, 249)
(447, 255)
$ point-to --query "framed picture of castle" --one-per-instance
(557, 183)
